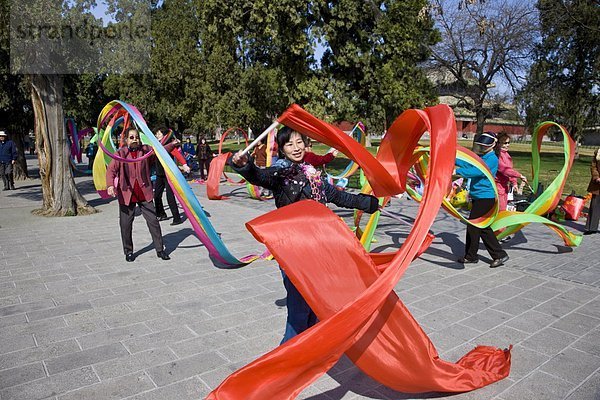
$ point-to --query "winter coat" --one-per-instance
(481, 187)
(128, 173)
(594, 186)
(204, 152)
(8, 151)
(291, 182)
(506, 172)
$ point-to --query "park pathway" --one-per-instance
(78, 322)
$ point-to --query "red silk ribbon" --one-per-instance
(351, 291)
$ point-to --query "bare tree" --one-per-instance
(481, 43)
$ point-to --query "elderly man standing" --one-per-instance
(135, 188)
(8, 158)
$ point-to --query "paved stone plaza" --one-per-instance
(78, 322)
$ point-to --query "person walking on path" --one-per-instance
(8, 158)
(591, 225)
(483, 198)
(292, 180)
(204, 154)
(134, 187)
(161, 183)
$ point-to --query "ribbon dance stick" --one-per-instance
(260, 137)
(204, 230)
(365, 320)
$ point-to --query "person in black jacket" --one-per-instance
(161, 182)
(205, 155)
(8, 158)
(292, 180)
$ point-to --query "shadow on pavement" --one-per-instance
(171, 240)
(353, 381)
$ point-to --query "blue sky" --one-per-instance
(101, 8)
(100, 11)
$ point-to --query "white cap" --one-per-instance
(2, 133)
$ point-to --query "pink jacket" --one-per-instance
(129, 172)
(506, 173)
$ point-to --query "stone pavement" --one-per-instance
(78, 322)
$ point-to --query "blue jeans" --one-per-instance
(300, 317)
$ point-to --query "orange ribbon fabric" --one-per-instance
(351, 291)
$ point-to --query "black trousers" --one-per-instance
(159, 187)
(126, 216)
(480, 207)
(6, 171)
(593, 214)
(203, 164)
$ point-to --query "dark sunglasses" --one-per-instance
(133, 137)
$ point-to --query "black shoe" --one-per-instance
(163, 255)
(499, 261)
(467, 260)
(506, 239)
(177, 222)
(589, 232)
(129, 257)
(162, 217)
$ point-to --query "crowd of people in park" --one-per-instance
(293, 175)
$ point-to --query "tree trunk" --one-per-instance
(60, 195)
(20, 168)
(480, 115)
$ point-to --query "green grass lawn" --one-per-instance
(551, 162)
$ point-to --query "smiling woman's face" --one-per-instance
(294, 148)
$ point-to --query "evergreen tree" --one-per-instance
(564, 81)
(16, 114)
(373, 49)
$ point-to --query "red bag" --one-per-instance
(573, 206)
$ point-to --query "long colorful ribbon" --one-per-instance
(548, 200)
(352, 167)
(514, 221)
(217, 169)
(74, 136)
(365, 320)
(196, 215)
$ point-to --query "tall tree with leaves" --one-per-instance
(36, 43)
(564, 81)
(84, 98)
(256, 55)
(482, 42)
(51, 39)
(373, 49)
(16, 114)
